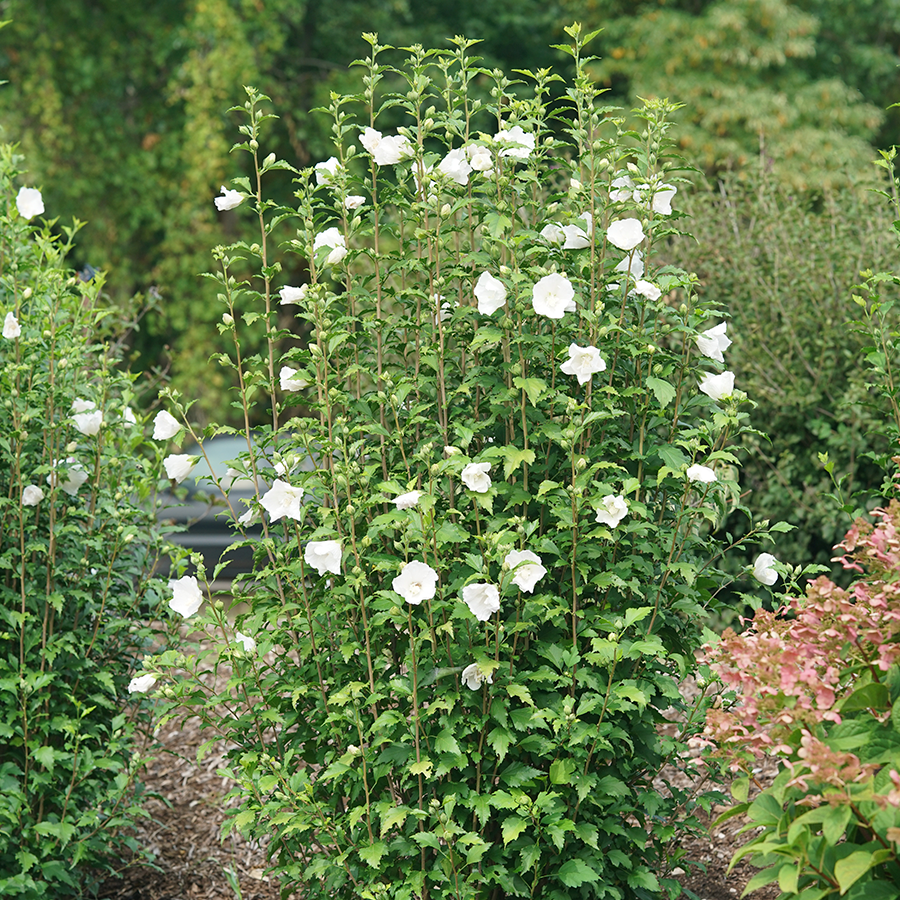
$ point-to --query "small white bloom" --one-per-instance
(473, 678)
(633, 264)
(575, 238)
(290, 381)
(29, 202)
(700, 473)
(714, 342)
(186, 596)
(229, 199)
(583, 362)
(408, 500)
(334, 241)
(521, 142)
(11, 327)
(416, 582)
(80, 406)
(290, 294)
(622, 188)
(140, 684)
(647, 289)
(386, 151)
(663, 195)
(625, 234)
(475, 477)
(456, 167)
(482, 599)
(480, 158)
(612, 510)
(490, 292)
(165, 426)
(246, 640)
(282, 499)
(527, 567)
(178, 466)
(325, 171)
(248, 517)
(75, 477)
(354, 201)
(129, 416)
(553, 296)
(88, 423)
(553, 233)
(324, 556)
(763, 570)
(718, 386)
(32, 495)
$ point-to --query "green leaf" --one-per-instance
(394, 816)
(446, 743)
(450, 533)
(788, 878)
(562, 770)
(422, 767)
(672, 456)
(46, 756)
(513, 457)
(575, 872)
(499, 740)
(870, 696)
(740, 789)
(534, 388)
(665, 392)
(372, 853)
(513, 826)
(851, 868)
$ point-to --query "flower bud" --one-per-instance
(254, 144)
(26, 294)
(269, 160)
(581, 464)
(445, 210)
(71, 447)
(505, 270)
(452, 451)
(228, 319)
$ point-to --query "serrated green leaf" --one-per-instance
(575, 872)
(422, 767)
(372, 853)
(562, 770)
(665, 392)
(513, 826)
(534, 388)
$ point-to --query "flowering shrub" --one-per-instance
(75, 554)
(474, 602)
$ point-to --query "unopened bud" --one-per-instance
(228, 319)
(26, 294)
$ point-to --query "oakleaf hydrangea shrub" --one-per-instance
(76, 552)
(487, 490)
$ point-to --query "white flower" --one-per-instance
(553, 233)
(762, 569)
(647, 289)
(663, 195)
(248, 517)
(416, 582)
(482, 599)
(553, 296)
(290, 294)
(521, 142)
(186, 596)
(480, 158)
(386, 151)
(179, 466)
(324, 556)
(612, 510)
(88, 423)
(475, 477)
(334, 240)
(473, 678)
(625, 234)
(32, 495)
(490, 292)
(718, 386)
(165, 426)
(325, 171)
(714, 342)
(456, 167)
(29, 202)
(290, 381)
(583, 362)
(527, 567)
(11, 327)
(621, 189)
(140, 684)
(354, 201)
(704, 474)
(408, 500)
(633, 264)
(129, 416)
(246, 640)
(80, 406)
(576, 238)
(229, 199)
(282, 499)
(75, 477)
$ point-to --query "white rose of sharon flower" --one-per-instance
(583, 362)
(88, 423)
(553, 233)
(416, 582)
(324, 556)
(490, 292)
(325, 171)
(625, 234)
(334, 241)
(11, 327)
(521, 142)
(75, 477)
(473, 678)
(663, 195)
(386, 151)
(633, 264)
(553, 296)
(282, 499)
(179, 465)
(354, 201)
(482, 599)
(80, 406)
(186, 596)
(702, 474)
(32, 495)
(165, 426)
(140, 684)
(527, 569)
(763, 570)
(612, 510)
(647, 289)
(718, 386)
(29, 202)
(480, 158)
(290, 381)
(456, 167)
(475, 477)
(576, 237)
(622, 188)
(247, 641)
(714, 342)
(290, 294)
(229, 199)
(408, 500)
